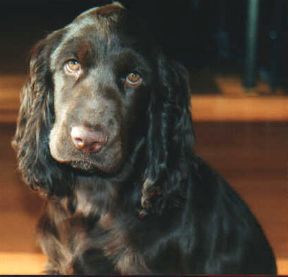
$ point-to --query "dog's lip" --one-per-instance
(89, 166)
(62, 161)
(76, 160)
(69, 161)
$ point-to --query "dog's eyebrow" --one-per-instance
(128, 55)
(129, 58)
(74, 48)
(83, 50)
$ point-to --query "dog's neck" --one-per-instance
(94, 196)
(98, 194)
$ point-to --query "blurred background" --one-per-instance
(236, 54)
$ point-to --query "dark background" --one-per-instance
(198, 33)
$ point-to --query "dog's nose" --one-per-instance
(88, 140)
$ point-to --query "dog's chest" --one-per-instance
(81, 229)
(112, 237)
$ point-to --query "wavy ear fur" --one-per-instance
(36, 116)
(170, 137)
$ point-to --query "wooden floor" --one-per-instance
(243, 137)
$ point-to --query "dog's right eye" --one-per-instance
(133, 80)
(73, 67)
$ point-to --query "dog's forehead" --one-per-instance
(101, 19)
(100, 24)
(109, 29)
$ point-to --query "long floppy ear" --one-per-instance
(36, 115)
(170, 137)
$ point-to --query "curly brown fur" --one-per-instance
(104, 131)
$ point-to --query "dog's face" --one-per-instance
(101, 89)
(103, 98)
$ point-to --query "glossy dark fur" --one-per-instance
(145, 203)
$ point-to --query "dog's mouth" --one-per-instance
(105, 161)
(84, 166)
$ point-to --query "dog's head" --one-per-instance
(102, 76)
(97, 88)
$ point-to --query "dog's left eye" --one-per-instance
(73, 67)
(133, 79)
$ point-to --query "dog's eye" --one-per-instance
(72, 67)
(133, 79)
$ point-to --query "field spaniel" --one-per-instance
(105, 134)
